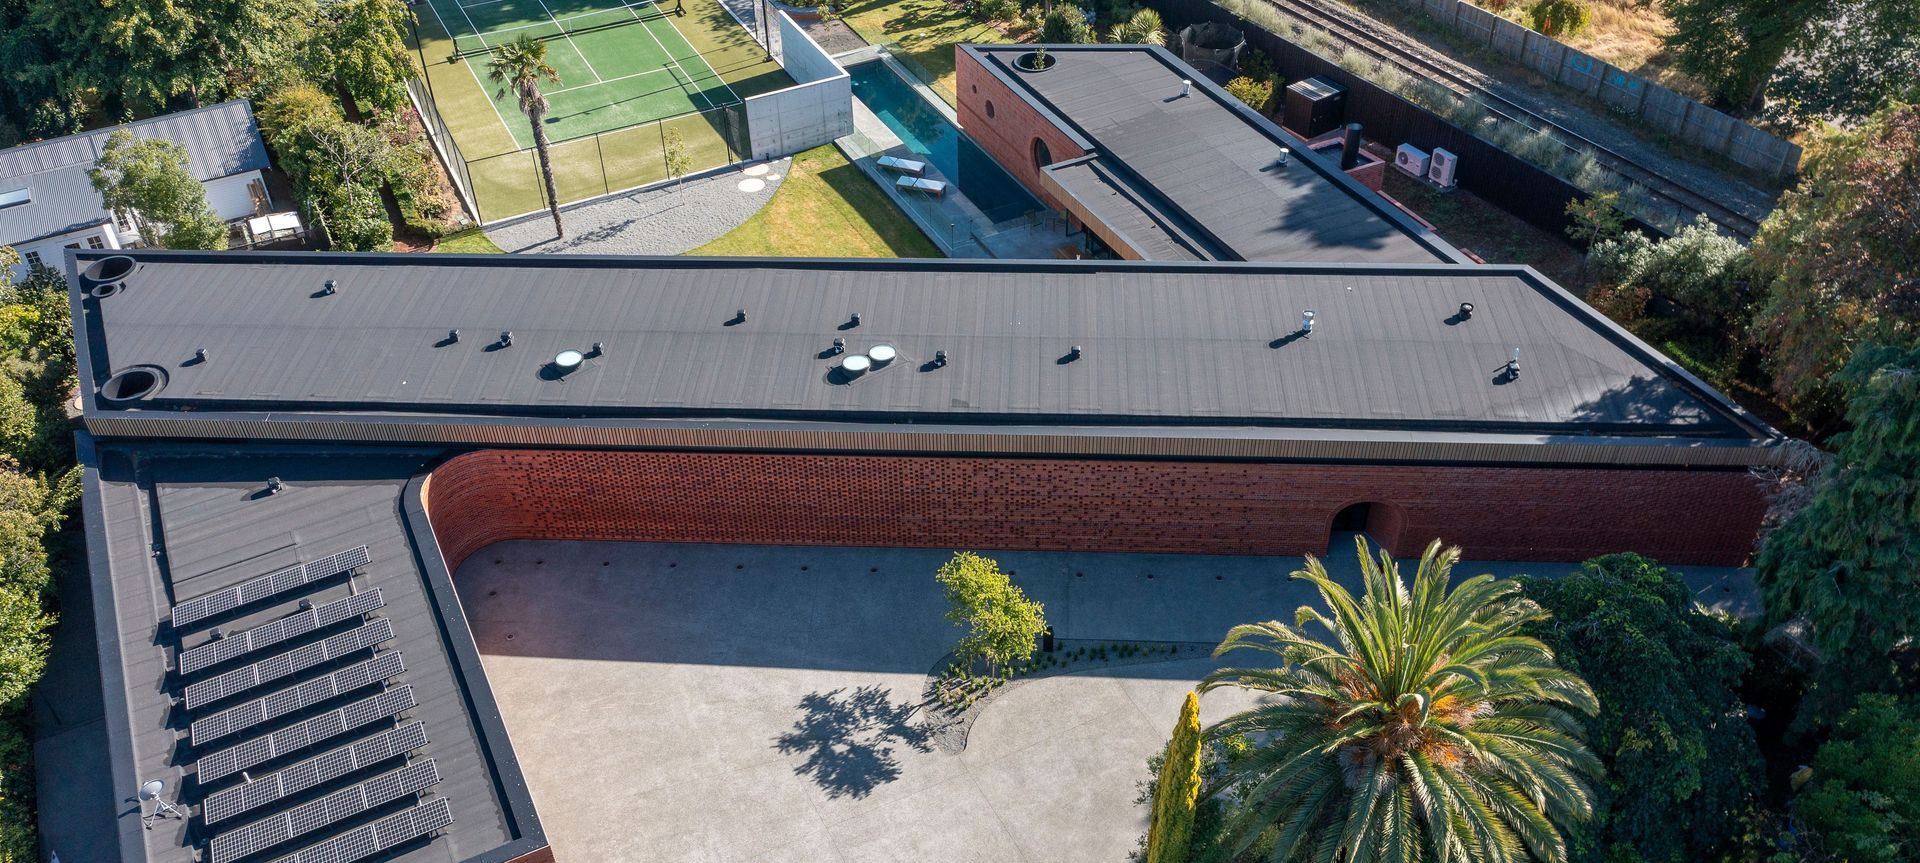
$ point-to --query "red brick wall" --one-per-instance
(1008, 135)
(544, 855)
(1542, 514)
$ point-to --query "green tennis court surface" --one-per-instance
(619, 65)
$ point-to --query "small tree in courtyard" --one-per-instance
(674, 151)
(1000, 620)
(1178, 791)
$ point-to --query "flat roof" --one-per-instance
(1173, 345)
(1206, 159)
(168, 523)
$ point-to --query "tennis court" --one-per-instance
(639, 83)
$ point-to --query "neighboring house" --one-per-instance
(47, 203)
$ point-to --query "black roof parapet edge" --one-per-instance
(1420, 233)
(509, 783)
(113, 684)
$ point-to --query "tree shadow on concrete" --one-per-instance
(850, 737)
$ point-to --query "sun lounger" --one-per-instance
(935, 188)
(903, 166)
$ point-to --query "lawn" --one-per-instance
(925, 30)
(825, 208)
(469, 242)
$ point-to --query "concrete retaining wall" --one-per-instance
(816, 110)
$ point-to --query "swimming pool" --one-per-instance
(927, 131)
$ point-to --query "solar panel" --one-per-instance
(272, 584)
(269, 634)
(389, 832)
(293, 661)
(303, 734)
(313, 772)
(293, 698)
(331, 809)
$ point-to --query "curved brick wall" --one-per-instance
(1544, 514)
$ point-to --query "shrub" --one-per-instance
(1177, 792)
(1697, 268)
(1595, 218)
(1561, 19)
(1864, 800)
(1256, 94)
(1066, 25)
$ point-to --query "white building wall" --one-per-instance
(53, 250)
(229, 196)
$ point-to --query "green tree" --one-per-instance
(1001, 622)
(1837, 261)
(147, 56)
(673, 150)
(364, 49)
(1851, 64)
(337, 167)
(1560, 19)
(519, 67)
(1735, 45)
(1143, 27)
(1682, 764)
(1178, 789)
(1863, 802)
(1065, 25)
(1596, 217)
(1256, 94)
(1698, 268)
(1428, 728)
(1849, 561)
(149, 181)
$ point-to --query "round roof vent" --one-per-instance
(856, 365)
(881, 355)
(134, 383)
(107, 276)
(567, 361)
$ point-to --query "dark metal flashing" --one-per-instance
(990, 59)
(113, 683)
(452, 423)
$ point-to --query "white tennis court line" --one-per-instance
(476, 76)
(691, 81)
(576, 48)
(608, 81)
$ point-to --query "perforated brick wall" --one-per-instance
(1496, 513)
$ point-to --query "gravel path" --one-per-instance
(666, 220)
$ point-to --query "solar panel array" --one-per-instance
(269, 634)
(292, 662)
(313, 772)
(300, 735)
(267, 586)
(331, 809)
(286, 701)
(389, 832)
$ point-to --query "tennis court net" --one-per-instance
(470, 44)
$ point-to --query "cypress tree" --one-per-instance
(1178, 790)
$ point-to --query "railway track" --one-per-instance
(1386, 45)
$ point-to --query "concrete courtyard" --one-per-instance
(753, 703)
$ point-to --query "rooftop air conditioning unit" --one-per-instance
(1444, 166)
(1412, 160)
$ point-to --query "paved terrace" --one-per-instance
(726, 703)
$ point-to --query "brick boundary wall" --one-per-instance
(1008, 135)
(1495, 513)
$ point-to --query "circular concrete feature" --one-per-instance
(755, 170)
(752, 184)
(134, 383)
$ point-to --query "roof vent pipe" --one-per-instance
(1513, 365)
(1350, 148)
(1186, 87)
(1306, 323)
(506, 338)
(1286, 155)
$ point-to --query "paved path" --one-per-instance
(667, 220)
(707, 703)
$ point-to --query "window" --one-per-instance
(73, 245)
(33, 259)
(989, 109)
(96, 242)
(1042, 157)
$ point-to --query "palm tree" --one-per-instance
(519, 67)
(1144, 28)
(1429, 730)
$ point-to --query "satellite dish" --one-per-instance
(151, 790)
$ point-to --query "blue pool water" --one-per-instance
(928, 132)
